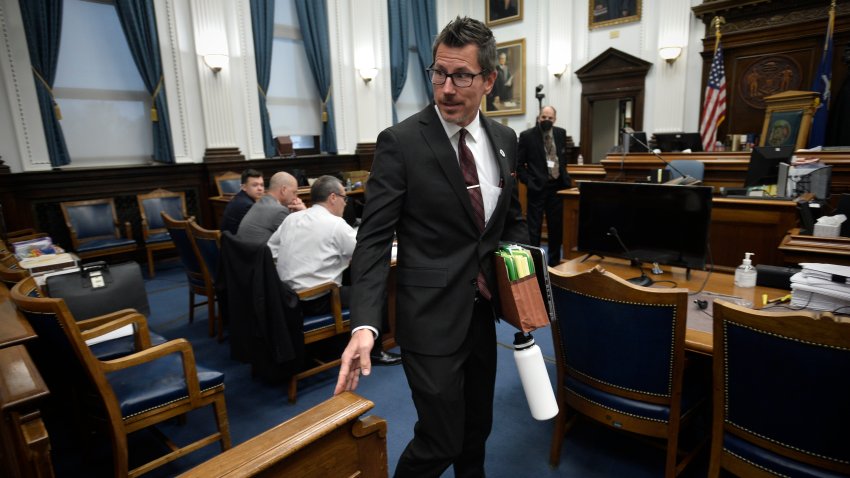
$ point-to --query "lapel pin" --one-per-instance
(502, 153)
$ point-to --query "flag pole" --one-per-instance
(717, 22)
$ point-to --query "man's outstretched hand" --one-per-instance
(355, 360)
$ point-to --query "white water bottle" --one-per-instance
(534, 378)
(580, 159)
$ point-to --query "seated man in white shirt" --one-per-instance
(314, 246)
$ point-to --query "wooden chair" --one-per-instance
(154, 233)
(10, 272)
(228, 183)
(138, 390)
(95, 230)
(198, 282)
(207, 246)
(781, 393)
(321, 327)
(620, 353)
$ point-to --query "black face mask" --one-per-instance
(546, 125)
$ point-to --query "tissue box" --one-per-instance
(827, 230)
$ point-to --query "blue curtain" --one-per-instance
(425, 30)
(313, 20)
(43, 25)
(399, 11)
(139, 24)
(262, 20)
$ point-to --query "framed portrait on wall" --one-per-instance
(788, 118)
(503, 11)
(508, 94)
(604, 13)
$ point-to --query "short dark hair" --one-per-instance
(250, 173)
(465, 31)
(323, 187)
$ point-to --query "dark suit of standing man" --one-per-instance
(544, 172)
(445, 323)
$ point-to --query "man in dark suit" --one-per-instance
(251, 191)
(443, 182)
(542, 166)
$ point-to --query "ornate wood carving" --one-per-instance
(611, 75)
(770, 46)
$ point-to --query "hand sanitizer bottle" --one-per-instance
(745, 274)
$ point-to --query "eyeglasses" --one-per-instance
(461, 80)
(344, 197)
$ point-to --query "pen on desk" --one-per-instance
(776, 300)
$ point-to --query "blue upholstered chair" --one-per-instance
(228, 183)
(139, 390)
(199, 284)
(95, 230)
(207, 246)
(781, 394)
(690, 167)
(620, 353)
(154, 233)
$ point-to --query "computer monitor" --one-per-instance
(656, 222)
(632, 142)
(674, 142)
(764, 164)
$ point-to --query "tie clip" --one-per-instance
(473, 186)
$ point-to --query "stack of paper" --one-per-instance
(821, 287)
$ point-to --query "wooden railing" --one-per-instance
(327, 440)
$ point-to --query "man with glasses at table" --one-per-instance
(442, 181)
(314, 246)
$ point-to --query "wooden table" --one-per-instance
(14, 327)
(797, 248)
(698, 337)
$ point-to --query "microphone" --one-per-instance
(685, 179)
(644, 280)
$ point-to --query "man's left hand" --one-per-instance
(297, 205)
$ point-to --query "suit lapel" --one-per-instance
(436, 139)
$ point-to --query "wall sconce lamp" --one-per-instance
(670, 53)
(215, 61)
(367, 74)
(558, 70)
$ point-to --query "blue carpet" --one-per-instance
(518, 446)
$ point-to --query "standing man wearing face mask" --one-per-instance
(542, 166)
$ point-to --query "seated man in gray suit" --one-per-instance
(264, 217)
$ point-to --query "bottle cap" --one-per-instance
(522, 341)
(747, 260)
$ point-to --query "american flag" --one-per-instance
(714, 106)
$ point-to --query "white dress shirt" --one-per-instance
(488, 168)
(313, 247)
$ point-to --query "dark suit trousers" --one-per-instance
(453, 396)
(549, 202)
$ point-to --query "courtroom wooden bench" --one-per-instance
(327, 440)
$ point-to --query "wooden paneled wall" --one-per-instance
(32, 199)
(769, 46)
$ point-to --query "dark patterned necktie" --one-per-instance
(551, 154)
(470, 177)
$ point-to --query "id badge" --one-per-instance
(550, 164)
